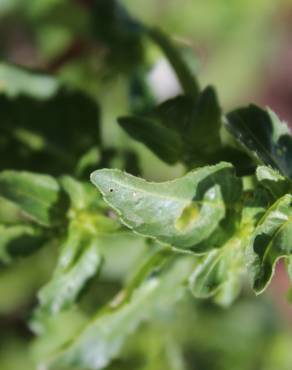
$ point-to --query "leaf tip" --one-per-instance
(104, 180)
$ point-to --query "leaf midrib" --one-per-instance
(159, 195)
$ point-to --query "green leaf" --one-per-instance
(88, 160)
(9, 213)
(47, 131)
(103, 338)
(162, 141)
(78, 262)
(181, 129)
(186, 78)
(19, 240)
(80, 194)
(204, 131)
(182, 212)
(271, 241)
(219, 273)
(273, 181)
(264, 135)
(198, 123)
(38, 197)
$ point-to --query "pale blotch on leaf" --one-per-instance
(187, 218)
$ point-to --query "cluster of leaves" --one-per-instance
(227, 217)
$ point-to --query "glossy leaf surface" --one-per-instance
(183, 212)
(262, 133)
(273, 181)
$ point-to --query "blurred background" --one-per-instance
(244, 49)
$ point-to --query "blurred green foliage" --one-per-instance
(91, 65)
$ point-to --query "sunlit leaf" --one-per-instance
(183, 212)
(273, 181)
